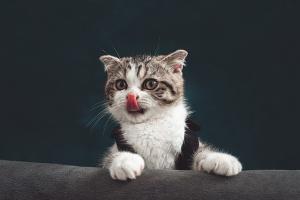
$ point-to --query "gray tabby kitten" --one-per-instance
(145, 95)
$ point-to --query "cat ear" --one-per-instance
(109, 61)
(176, 60)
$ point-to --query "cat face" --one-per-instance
(141, 87)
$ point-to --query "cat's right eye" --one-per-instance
(121, 84)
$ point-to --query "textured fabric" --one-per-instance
(37, 181)
(189, 147)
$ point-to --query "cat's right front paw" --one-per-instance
(126, 166)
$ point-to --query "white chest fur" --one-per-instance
(158, 140)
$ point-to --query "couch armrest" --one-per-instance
(38, 181)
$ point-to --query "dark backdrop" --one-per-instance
(242, 74)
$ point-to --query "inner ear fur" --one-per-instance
(176, 60)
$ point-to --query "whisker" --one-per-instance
(100, 102)
(98, 105)
(94, 121)
(106, 123)
(116, 52)
(157, 47)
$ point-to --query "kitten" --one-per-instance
(145, 95)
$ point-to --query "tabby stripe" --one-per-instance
(165, 101)
(146, 71)
(138, 71)
(169, 86)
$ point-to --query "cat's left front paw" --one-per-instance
(218, 163)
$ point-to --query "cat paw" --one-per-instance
(219, 163)
(126, 166)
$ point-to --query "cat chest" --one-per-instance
(158, 147)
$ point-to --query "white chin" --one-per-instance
(131, 117)
(135, 117)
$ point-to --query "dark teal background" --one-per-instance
(242, 74)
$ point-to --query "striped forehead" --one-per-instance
(131, 75)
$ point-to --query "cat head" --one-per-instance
(140, 87)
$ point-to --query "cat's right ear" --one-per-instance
(109, 61)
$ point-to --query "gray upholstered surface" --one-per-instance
(24, 180)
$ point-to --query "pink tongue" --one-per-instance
(132, 104)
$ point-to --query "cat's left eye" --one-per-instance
(150, 84)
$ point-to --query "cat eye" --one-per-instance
(150, 84)
(121, 84)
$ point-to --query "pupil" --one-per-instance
(121, 84)
(151, 84)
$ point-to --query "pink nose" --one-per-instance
(132, 104)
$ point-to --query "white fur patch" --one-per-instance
(217, 163)
(158, 140)
(131, 77)
(126, 165)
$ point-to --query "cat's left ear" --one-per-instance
(176, 60)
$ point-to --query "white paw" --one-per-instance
(219, 163)
(126, 166)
